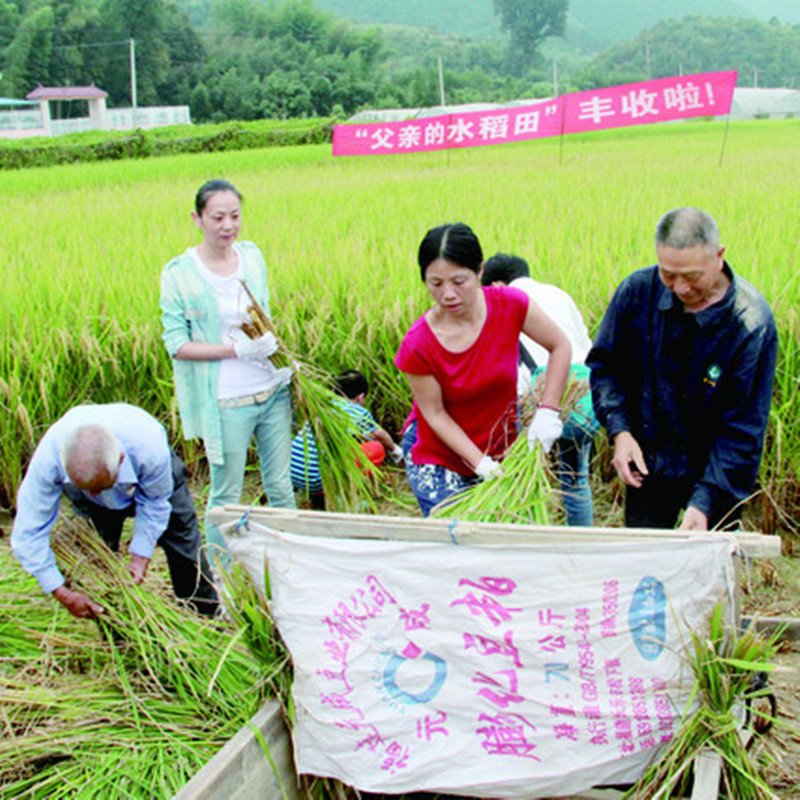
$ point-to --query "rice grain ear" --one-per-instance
(520, 494)
(258, 324)
(256, 311)
(251, 330)
(345, 482)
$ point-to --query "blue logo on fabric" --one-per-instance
(413, 655)
(647, 618)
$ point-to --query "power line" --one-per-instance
(86, 45)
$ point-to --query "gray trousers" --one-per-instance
(181, 541)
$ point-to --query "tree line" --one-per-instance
(766, 54)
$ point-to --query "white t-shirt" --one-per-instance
(237, 376)
(561, 308)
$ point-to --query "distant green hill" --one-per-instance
(757, 49)
(469, 18)
(593, 24)
(598, 24)
(784, 10)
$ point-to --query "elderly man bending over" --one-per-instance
(112, 461)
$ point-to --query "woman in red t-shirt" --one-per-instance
(460, 358)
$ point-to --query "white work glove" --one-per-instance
(256, 349)
(284, 375)
(546, 426)
(396, 454)
(486, 467)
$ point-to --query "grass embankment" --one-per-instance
(81, 148)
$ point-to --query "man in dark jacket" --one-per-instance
(682, 371)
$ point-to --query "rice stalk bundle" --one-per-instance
(133, 714)
(520, 491)
(347, 483)
(724, 666)
(519, 494)
(93, 737)
(349, 480)
(172, 650)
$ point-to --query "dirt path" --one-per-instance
(772, 589)
(781, 743)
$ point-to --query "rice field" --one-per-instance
(83, 247)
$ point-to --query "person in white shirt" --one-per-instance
(228, 390)
(112, 461)
(575, 442)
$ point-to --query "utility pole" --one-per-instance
(132, 49)
(441, 82)
(555, 79)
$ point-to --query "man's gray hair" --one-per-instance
(687, 227)
(88, 451)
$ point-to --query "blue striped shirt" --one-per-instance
(305, 471)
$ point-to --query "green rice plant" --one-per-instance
(780, 472)
(248, 609)
(519, 494)
(173, 649)
(345, 479)
(94, 738)
(724, 665)
(132, 713)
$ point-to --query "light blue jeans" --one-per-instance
(574, 451)
(270, 423)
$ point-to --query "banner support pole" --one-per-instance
(724, 138)
(561, 131)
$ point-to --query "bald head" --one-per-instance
(683, 228)
(91, 456)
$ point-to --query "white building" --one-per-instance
(21, 118)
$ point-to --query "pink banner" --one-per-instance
(702, 95)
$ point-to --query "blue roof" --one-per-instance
(11, 101)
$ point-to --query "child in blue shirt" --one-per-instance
(305, 469)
